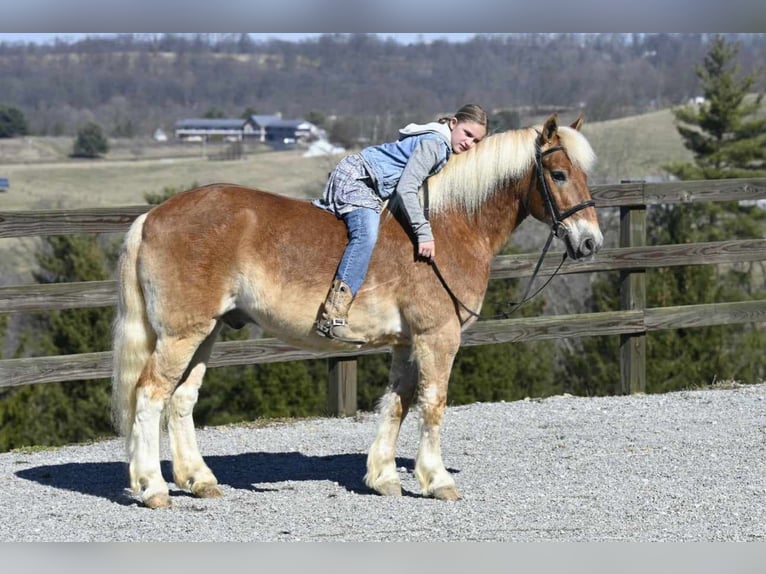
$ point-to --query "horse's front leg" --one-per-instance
(435, 354)
(381, 466)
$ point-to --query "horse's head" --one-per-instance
(563, 199)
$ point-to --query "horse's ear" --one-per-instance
(577, 124)
(550, 128)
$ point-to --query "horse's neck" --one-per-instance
(499, 215)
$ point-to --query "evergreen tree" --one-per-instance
(12, 122)
(725, 134)
(90, 142)
(214, 112)
(61, 413)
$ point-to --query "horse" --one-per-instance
(227, 254)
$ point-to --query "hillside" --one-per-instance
(133, 84)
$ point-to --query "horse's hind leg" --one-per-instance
(163, 371)
(189, 469)
(381, 466)
(434, 354)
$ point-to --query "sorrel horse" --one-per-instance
(227, 254)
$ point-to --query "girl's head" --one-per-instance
(468, 127)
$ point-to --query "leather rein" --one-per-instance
(557, 230)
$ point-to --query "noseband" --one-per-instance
(558, 229)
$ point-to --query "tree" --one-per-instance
(728, 140)
(90, 142)
(12, 122)
(315, 117)
(345, 132)
(724, 134)
(214, 113)
(61, 413)
(504, 120)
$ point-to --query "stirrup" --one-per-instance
(326, 328)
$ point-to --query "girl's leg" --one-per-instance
(362, 224)
(362, 227)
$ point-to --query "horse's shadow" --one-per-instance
(249, 471)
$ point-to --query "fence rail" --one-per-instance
(631, 259)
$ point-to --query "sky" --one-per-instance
(404, 38)
(375, 16)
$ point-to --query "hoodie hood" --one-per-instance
(441, 130)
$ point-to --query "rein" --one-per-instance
(557, 230)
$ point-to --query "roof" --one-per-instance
(280, 123)
(211, 123)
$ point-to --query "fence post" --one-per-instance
(341, 392)
(633, 298)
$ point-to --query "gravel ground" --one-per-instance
(687, 466)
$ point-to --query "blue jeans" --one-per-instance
(362, 225)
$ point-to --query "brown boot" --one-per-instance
(334, 321)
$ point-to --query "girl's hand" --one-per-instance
(427, 250)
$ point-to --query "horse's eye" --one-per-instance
(559, 176)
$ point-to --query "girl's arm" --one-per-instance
(427, 155)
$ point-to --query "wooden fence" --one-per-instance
(631, 323)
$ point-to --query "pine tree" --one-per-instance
(12, 122)
(724, 132)
(61, 413)
(90, 142)
(727, 134)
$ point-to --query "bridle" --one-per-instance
(558, 229)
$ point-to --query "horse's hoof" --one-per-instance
(446, 493)
(389, 489)
(207, 491)
(157, 501)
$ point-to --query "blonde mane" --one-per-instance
(470, 178)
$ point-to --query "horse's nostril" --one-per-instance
(589, 247)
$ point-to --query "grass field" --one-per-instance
(94, 183)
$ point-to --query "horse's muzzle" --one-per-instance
(582, 241)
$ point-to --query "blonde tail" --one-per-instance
(134, 338)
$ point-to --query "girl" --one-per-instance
(361, 183)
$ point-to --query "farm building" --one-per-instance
(197, 129)
(272, 130)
